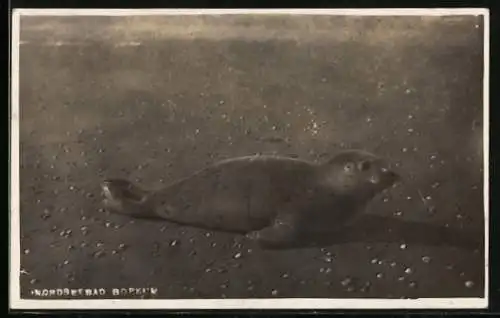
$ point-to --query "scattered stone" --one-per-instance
(346, 281)
(99, 254)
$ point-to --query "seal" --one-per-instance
(275, 201)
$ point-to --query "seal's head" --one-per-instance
(358, 173)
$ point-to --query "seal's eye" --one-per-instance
(348, 167)
(364, 165)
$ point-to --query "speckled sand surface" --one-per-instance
(154, 99)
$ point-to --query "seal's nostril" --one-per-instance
(393, 175)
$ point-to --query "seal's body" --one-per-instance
(274, 200)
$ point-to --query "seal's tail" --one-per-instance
(123, 197)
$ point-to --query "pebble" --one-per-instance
(365, 287)
(346, 281)
(46, 214)
(99, 254)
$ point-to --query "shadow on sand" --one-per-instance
(378, 229)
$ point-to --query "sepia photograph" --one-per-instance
(249, 159)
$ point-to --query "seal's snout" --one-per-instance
(390, 175)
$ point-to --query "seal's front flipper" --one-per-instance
(272, 237)
(282, 233)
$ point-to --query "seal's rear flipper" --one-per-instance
(123, 197)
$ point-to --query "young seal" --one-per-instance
(276, 201)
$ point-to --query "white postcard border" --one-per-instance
(15, 300)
